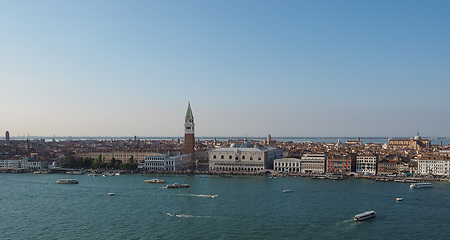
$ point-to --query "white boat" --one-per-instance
(287, 191)
(212, 196)
(155, 181)
(67, 181)
(177, 185)
(365, 215)
(74, 172)
(398, 199)
(110, 194)
(421, 185)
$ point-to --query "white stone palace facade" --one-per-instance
(244, 158)
(164, 162)
(433, 166)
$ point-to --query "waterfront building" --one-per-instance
(287, 165)
(14, 163)
(434, 165)
(388, 167)
(313, 163)
(189, 138)
(164, 162)
(366, 164)
(341, 163)
(244, 158)
(124, 156)
(10, 163)
(416, 143)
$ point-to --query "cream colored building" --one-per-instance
(164, 162)
(429, 166)
(287, 165)
(123, 156)
(413, 143)
(313, 163)
(244, 158)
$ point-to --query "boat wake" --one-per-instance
(185, 216)
(204, 195)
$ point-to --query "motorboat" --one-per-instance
(155, 181)
(67, 181)
(287, 191)
(399, 199)
(421, 185)
(212, 196)
(177, 185)
(110, 194)
(365, 215)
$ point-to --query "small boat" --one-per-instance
(421, 185)
(155, 181)
(110, 194)
(74, 172)
(177, 185)
(287, 191)
(398, 199)
(40, 172)
(117, 173)
(365, 215)
(67, 181)
(212, 196)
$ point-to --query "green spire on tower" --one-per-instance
(189, 111)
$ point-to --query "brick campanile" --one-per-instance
(189, 139)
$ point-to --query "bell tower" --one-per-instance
(189, 139)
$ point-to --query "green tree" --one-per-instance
(87, 162)
(112, 163)
(98, 163)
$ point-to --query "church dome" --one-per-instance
(245, 145)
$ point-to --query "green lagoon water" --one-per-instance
(247, 207)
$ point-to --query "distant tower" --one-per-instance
(269, 138)
(7, 137)
(189, 139)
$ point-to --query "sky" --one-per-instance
(249, 68)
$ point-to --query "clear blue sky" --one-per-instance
(289, 68)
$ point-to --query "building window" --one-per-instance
(243, 157)
(259, 158)
(214, 157)
(230, 157)
(221, 157)
(251, 158)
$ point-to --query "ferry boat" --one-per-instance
(67, 181)
(177, 185)
(155, 181)
(421, 185)
(365, 215)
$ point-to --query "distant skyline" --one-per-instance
(286, 68)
